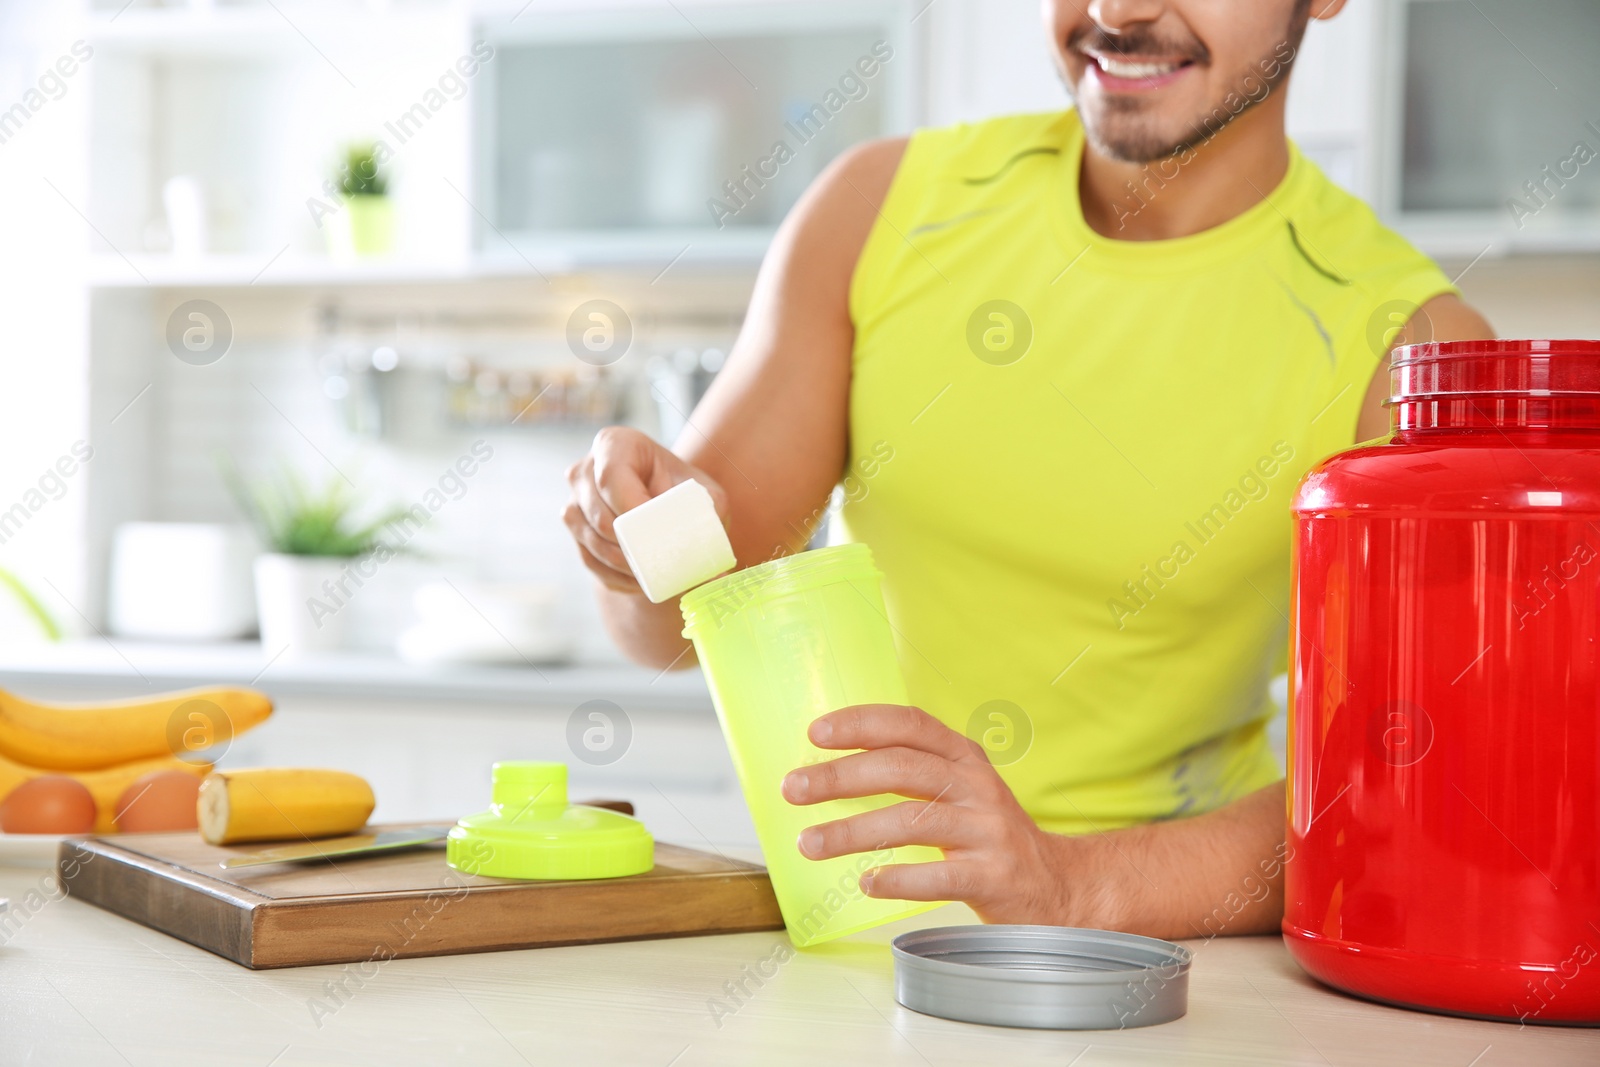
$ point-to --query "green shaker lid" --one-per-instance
(530, 831)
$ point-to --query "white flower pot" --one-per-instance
(299, 617)
(363, 229)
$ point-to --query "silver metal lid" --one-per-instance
(1043, 977)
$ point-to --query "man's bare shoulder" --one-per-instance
(869, 168)
(838, 210)
(1445, 318)
(815, 251)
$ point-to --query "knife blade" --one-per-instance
(334, 847)
(362, 844)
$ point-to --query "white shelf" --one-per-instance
(133, 667)
(643, 253)
(262, 271)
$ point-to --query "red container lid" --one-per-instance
(1529, 384)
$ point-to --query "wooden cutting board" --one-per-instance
(403, 904)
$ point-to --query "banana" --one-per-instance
(106, 786)
(81, 737)
(282, 804)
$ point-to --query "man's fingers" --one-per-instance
(914, 822)
(598, 514)
(944, 880)
(611, 579)
(623, 468)
(887, 725)
(612, 570)
(906, 772)
(583, 532)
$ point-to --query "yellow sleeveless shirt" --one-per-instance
(1073, 457)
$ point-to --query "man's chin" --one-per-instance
(1125, 132)
(1134, 146)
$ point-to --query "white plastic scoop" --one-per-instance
(675, 541)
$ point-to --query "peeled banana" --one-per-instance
(282, 804)
(106, 786)
(81, 737)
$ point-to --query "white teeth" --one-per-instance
(1121, 69)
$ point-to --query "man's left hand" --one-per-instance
(997, 861)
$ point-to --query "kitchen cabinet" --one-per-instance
(1489, 125)
(689, 130)
(538, 137)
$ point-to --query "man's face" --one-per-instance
(1153, 77)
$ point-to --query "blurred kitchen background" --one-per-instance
(206, 284)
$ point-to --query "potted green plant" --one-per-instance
(319, 555)
(366, 223)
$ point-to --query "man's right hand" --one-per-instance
(623, 469)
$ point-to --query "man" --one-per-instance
(1073, 366)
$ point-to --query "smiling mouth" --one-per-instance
(1128, 72)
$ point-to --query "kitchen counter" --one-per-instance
(128, 667)
(79, 985)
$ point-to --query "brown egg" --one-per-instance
(48, 804)
(161, 800)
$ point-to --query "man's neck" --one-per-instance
(1227, 176)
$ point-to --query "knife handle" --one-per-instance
(623, 806)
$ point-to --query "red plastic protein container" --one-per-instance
(1444, 782)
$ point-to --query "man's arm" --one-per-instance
(1444, 318)
(771, 437)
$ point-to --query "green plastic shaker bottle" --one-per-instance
(782, 643)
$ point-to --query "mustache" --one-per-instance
(1135, 42)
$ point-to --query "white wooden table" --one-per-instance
(82, 986)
